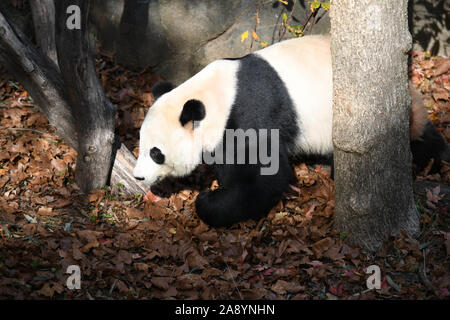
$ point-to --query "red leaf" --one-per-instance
(150, 197)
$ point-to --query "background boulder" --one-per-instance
(177, 38)
(429, 23)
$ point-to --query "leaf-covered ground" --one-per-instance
(134, 247)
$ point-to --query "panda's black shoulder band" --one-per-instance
(193, 110)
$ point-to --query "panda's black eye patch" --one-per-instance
(157, 155)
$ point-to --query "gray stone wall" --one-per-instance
(430, 25)
(178, 37)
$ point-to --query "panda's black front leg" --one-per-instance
(221, 207)
(228, 205)
(243, 194)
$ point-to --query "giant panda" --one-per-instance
(286, 87)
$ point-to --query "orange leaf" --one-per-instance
(255, 36)
(96, 196)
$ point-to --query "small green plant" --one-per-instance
(108, 217)
(52, 141)
(295, 30)
(133, 292)
(316, 4)
(61, 173)
(35, 264)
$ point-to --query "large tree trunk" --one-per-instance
(93, 113)
(42, 79)
(373, 184)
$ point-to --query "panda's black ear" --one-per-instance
(193, 110)
(160, 88)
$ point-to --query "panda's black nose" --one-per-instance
(139, 178)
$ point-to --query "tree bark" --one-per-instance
(42, 79)
(372, 158)
(43, 12)
(93, 113)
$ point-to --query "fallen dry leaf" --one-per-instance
(47, 211)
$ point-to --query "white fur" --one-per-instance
(215, 87)
(304, 65)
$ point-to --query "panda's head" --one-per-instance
(168, 144)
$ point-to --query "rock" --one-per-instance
(429, 23)
(178, 38)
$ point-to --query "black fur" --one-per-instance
(193, 110)
(262, 102)
(430, 146)
(160, 88)
(157, 155)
